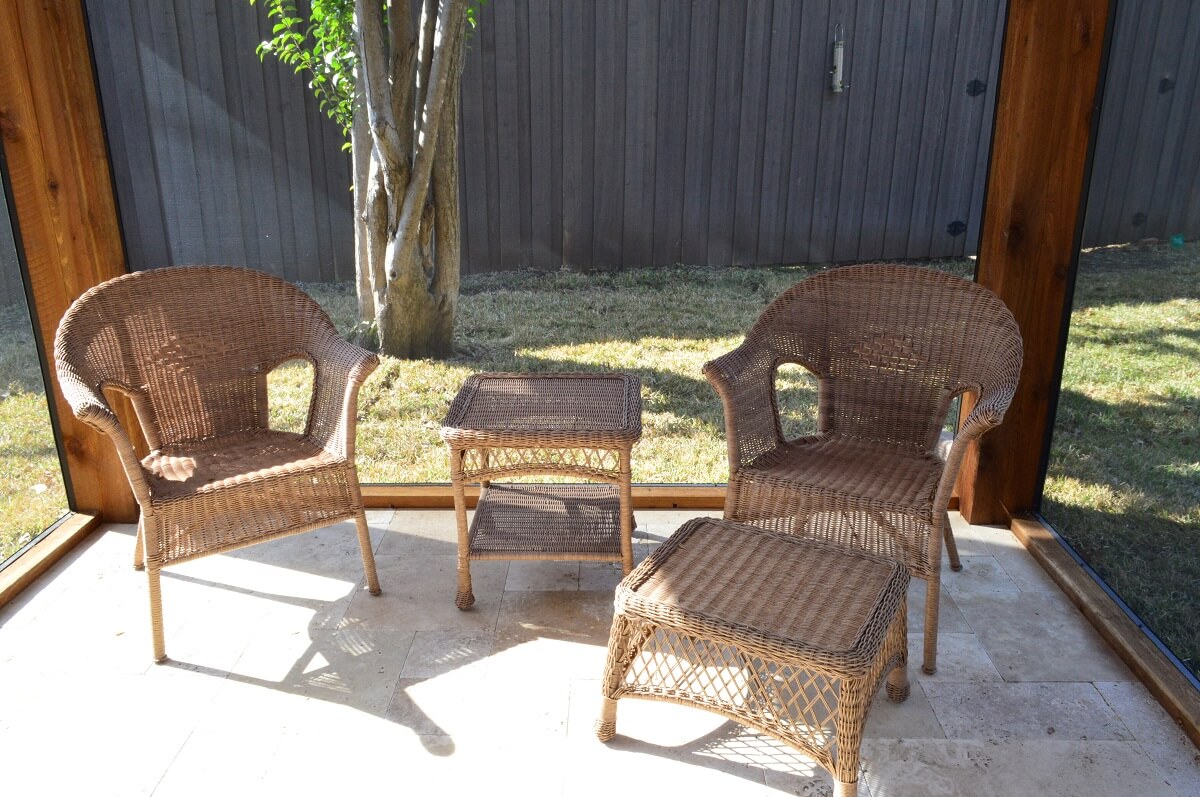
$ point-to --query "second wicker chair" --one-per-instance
(891, 347)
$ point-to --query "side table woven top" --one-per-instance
(826, 607)
(545, 409)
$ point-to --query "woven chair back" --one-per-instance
(190, 345)
(891, 347)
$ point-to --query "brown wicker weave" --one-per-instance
(891, 347)
(192, 347)
(557, 424)
(787, 635)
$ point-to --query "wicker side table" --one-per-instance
(787, 635)
(556, 424)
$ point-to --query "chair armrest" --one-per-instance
(92, 408)
(743, 380)
(340, 368)
(987, 413)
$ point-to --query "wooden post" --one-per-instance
(62, 204)
(1032, 223)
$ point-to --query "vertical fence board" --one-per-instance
(929, 146)
(747, 200)
(918, 38)
(541, 109)
(608, 167)
(984, 133)
(641, 122)
(1169, 177)
(831, 147)
(507, 140)
(699, 122)
(812, 91)
(862, 119)
(670, 131)
(232, 26)
(884, 126)
(473, 156)
(1185, 207)
(727, 109)
(965, 114)
(578, 113)
(776, 133)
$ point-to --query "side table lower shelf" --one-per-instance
(542, 521)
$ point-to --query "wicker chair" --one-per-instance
(891, 347)
(191, 347)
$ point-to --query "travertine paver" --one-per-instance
(287, 678)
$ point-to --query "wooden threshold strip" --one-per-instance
(1159, 674)
(38, 559)
(441, 496)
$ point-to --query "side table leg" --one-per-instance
(626, 496)
(464, 598)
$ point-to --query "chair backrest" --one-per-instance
(191, 345)
(891, 346)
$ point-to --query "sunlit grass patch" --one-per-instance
(1123, 483)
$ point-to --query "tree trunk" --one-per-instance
(421, 264)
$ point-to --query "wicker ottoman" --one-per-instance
(787, 635)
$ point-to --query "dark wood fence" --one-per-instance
(623, 133)
(217, 157)
(640, 132)
(1146, 177)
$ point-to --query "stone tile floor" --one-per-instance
(287, 678)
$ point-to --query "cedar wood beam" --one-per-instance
(1032, 223)
(63, 206)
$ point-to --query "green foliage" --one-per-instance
(322, 46)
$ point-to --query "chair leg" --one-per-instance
(951, 547)
(933, 589)
(843, 789)
(139, 547)
(368, 556)
(156, 617)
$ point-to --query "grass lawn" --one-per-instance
(32, 495)
(1123, 485)
(1124, 479)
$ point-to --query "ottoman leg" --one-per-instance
(897, 684)
(621, 650)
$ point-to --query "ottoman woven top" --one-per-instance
(826, 606)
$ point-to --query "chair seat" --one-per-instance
(226, 462)
(853, 474)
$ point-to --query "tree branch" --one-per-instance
(428, 30)
(443, 73)
(360, 153)
(444, 187)
(377, 90)
(402, 71)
